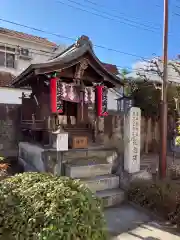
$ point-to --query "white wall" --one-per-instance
(112, 96)
(12, 95)
(36, 49)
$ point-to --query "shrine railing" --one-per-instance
(30, 124)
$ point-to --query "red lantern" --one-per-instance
(101, 101)
(55, 91)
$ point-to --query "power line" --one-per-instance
(147, 28)
(69, 38)
(40, 52)
(136, 71)
(117, 17)
(62, 36)
(109, 17)
(138, 25)
(101, 5)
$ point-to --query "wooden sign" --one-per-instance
(79, 142)
(62, 142)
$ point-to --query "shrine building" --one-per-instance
(69, 94)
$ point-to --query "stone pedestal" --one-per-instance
(132, 133)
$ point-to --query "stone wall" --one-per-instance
(9, 129)
(113, 129)
(113, 132)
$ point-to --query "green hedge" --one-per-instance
(39, 206)
(161, 197)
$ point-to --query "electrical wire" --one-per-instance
(147, 28)
(69, 38)
(126, 21)
(117, 17)
(135, 71)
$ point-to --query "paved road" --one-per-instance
(128, 223)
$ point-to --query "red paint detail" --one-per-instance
(99, 102)
(53, 94)
(60, 110)
(105, 114)
(99, 90)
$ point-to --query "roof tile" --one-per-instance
(27, 37)
(111, 68)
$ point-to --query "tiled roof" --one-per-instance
(26, 36)
(111, 68)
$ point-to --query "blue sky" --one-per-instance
(56, 16)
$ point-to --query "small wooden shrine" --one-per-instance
(69, 94)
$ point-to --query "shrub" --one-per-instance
(162, 197)
(40, 206)
(3, 168)
(173, 171)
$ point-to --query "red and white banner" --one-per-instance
(101, 101)
(56, 96)
(70, 92)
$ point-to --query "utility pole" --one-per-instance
(163, 104)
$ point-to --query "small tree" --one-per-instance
(147, 93)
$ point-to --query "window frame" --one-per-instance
(7, 49)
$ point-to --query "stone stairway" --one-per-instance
(96, 173)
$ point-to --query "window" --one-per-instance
(10, 60)
(7, 56)
(2, 58)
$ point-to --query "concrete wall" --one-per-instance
(113, 133)
(10, 134)
(30, 156)
(12, 95)
(9, 129)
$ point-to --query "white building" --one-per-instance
(18, 50)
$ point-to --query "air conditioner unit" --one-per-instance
(24, 53)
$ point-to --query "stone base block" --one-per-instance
(87, 171)
(102, 182)
(111, 197)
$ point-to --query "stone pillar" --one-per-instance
(132, 130)
(132, 135)
(100, 129)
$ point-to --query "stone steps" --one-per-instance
(96, 174)
(90, 152)
(103, 182)
(88, 171)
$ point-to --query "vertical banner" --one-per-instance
(55, 94)
(101, 101)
